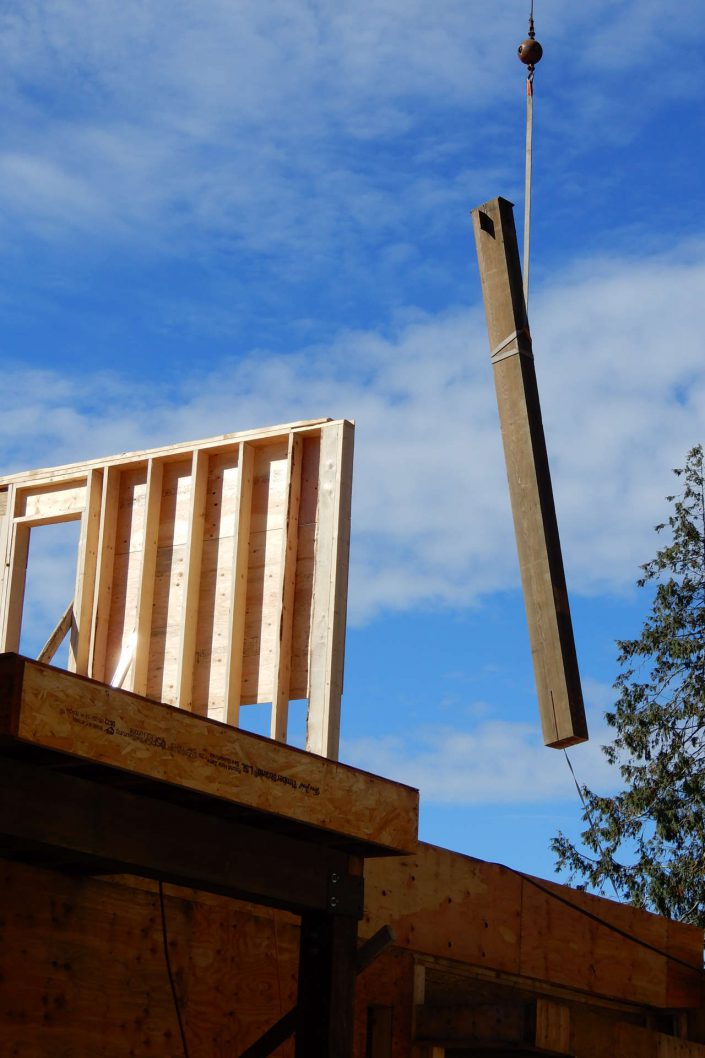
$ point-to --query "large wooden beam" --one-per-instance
(327, 970)
(45, 709)
(541, 564)
(286, 1025)
(65, 821)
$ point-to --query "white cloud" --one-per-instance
(195, 119)
(167, 123)
(622, 377)
(490, 762)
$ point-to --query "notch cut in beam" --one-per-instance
(535, 525)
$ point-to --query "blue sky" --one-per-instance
(223, 215)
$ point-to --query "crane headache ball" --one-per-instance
(530, 51)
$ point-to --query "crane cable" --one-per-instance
(527, 179)
(529, 52)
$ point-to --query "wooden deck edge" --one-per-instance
(48, 709)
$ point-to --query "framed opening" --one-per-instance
(49, 586)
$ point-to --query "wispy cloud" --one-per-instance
(488, 762)
(622, 376)
(164, 123)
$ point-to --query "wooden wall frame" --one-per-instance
(209, 575)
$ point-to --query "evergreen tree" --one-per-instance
(648, 841)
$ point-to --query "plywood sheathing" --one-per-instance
(453, 907)
(82, 963)
(209, 575)
(83, 974)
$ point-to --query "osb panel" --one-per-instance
(83, 970)
(443, 904)
(601, 960)
(83, 974)
(454, 907)
(67, 713)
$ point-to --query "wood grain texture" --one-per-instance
(454, 907)
(173, 451)
(70, 822)
(283, 618)
(535, 525)
(552, 1030)
(596, 1037)
(193, 559)
(6, 526)
(105, 572)
(98, 723)
(57, 636)
(168, 602)
(39, 505)
(83, 971)
(83, 974)
(330, 585)
(238, 584)
(196, 567)
(127, 568)
(15, 573)
(86, 573)
(326, 994)
(147, 576)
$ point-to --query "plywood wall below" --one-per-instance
(83, 974)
